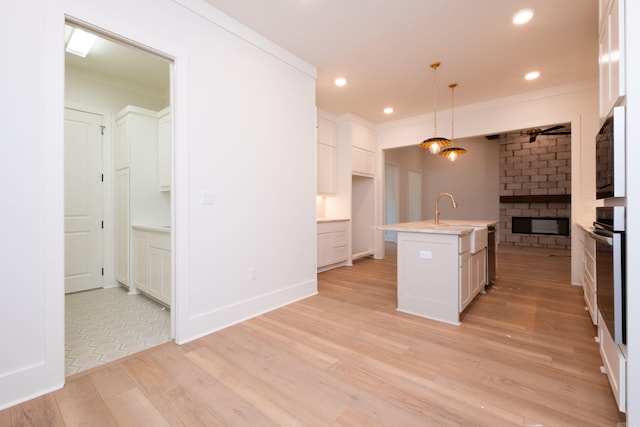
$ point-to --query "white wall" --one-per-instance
(244, 113)
(473, 179)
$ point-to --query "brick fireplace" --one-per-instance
(535, 182)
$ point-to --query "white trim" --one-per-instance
(234, 27)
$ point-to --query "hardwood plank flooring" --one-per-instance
(524, 355)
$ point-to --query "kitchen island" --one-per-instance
(441, 267)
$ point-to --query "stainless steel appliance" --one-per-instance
(491, 255)
(610, 156)
(609, 235)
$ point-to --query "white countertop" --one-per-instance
(331, 219)
(156, 228)
(426, 227)
(457, 227)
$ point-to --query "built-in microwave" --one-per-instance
(610, 156)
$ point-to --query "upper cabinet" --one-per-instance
(363, 149)
(612, 54)
(164, 149)
(327, 173)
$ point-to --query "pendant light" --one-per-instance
(452, 153)
(435, 143)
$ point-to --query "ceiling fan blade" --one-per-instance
(551, 129)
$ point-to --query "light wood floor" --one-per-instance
(524, 356)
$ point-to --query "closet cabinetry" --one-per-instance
(164, 149)
(138, 199)
(152, 263)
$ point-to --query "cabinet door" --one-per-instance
(464, 280)
(164, 152)
(160, 274)
(478, 271)
(122, 226)
(363, 162)
(327, 170)
(140, 261)
(121, 154)
(325, 249)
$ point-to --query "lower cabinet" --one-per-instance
(333, 243)
(614, 365)
(464, 279)
(474, 271)
(589, 277)
(152, 263)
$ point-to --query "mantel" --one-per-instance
(537, 198)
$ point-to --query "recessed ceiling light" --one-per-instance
(532, 75)
(388, 110)
(523, 16)
(340, 81)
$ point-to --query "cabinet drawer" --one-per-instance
(340, 253)
(332, 226)
(341, 238)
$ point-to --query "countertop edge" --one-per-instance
(157, 228)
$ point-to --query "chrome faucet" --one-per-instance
(449, 195)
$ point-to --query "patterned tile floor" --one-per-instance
(103, 325)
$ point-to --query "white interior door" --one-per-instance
(82, 200)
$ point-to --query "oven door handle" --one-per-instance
(602, 239)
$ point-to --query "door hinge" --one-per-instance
(101, 224)
(101, 177)
(102, 129)
(102, 272)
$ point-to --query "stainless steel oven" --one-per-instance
(609, 235)
(610, 156)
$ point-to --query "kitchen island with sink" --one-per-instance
(441, 267)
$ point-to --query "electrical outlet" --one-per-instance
(252, 274)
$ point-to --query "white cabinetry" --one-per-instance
(612, 54)
(614, 365)
(137, 196)
(363, 154)
(465, 280)
(333, 244)
(589, 276)
(164, 149)
(434, 275)
(327, 172)
(152, 263)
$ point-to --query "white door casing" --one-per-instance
(82, 200)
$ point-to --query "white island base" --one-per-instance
(441, 268)
(431, 268)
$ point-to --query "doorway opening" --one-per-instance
(118, 209)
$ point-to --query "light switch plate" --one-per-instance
(207, 197)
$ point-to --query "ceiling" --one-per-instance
(384, 48)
